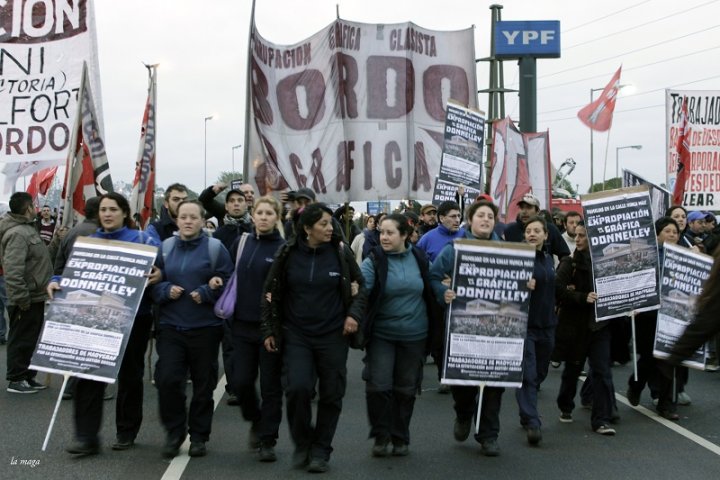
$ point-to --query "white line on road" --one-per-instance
(179, 463)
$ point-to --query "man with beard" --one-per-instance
(165, 227)
(530, 207)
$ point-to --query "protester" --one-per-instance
(541, 329)
(298, 199)
(695, 232)
(530, 207)
(248, 192)
(309, 312)
(344, 215)
(26, 268)
(649, 369)
(358, 243)
(188, 333)
(165, 227)
(570, 221)
(115, 224)
(372, 236)
(248, 354)
(211, 225)
(396, 329)
(447, 230)
(45, 224)
(481, 217)
(428, 218)
(580, 337)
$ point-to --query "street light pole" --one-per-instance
(205, 146)
(233, 156)
(617, 157)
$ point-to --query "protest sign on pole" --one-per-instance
(461, 159)
(43, 45)
(487, 321)
(623, 249)
(702, 186)
(659, 196)
(683, 275)
(356, 111)
(88, 323)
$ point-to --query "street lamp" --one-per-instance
(617, 157)
(592, 150)
(205, 145)
(233, 156)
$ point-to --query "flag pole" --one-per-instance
(72, 153)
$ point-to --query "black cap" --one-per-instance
(305, 193)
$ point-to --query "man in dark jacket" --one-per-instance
(235, 221)
(165, 227)
(515, 232)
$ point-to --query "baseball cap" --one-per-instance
(305, 193)
(427, 208)
(530, 199)
(695, 215)
(484, 196)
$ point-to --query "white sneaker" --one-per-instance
(683, 399)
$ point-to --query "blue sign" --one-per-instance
(373, 208)
(517, 39)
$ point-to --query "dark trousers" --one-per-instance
(466, 399)
(88, 395)
(393, 373)
(248, 358)
(600, 377)
(306, 359)
(25, 327)
(536, 362)
(227, 352)
(195, 350)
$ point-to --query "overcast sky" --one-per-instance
(202, 49)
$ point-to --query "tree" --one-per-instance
(611, 184)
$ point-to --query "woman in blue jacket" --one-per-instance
(249, 355)
(540, 336)
(189, 332)
(481, 217)
(396, 327)
(115, 224)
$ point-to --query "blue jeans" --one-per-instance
(393, 373)
(536, 361)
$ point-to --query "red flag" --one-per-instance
(142, 198)
(40, 182)
(88, 172)
(598, 115)
(682, 147)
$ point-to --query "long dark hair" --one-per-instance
(309, 216)
(123, 204)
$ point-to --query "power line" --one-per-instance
(606, 16)
(635, 27)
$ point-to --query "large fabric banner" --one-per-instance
(702, 188)
(623, 249)
(42, 48)
(520, 164)
(683, 275)
(659, 197)
(88, 323)
(487, 321)
(142, 200)
(356, 111)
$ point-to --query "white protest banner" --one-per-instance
(702, 189)
(520, 164)
(660, 198)
(88, 323)
(487, 321)
(464, 134)
(42, 48)
(623, 249)
(683, 276)
(356, 111)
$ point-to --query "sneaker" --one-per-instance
(123, 444)
(380, 448)
(633, 396)
(36, 385)
(83, 448)
(534, 435)
(171, 449)
(300, 457)
(683, 399)
(605, 430)
(655, 401)
(669, 415)
(586, 405)
(555, 364)
(400, 450)
(253, 440)
(232, 400)
(21, 386)
(490, 448)
(267, 453)
(197, 449)
(461, 429)
(109, 394)
(317, 465)
(566, 417)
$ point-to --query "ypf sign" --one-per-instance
(539, 39)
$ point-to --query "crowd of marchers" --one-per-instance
(303, 284)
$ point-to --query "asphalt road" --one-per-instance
(645, 446)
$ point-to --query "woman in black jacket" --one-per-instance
(308, 311)
(580, 337)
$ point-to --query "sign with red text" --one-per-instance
(356, 111)
(42, 48)
(702, 189)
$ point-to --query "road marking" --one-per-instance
(672, 426)
(179, 463)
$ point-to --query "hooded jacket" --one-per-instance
(25, 261)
